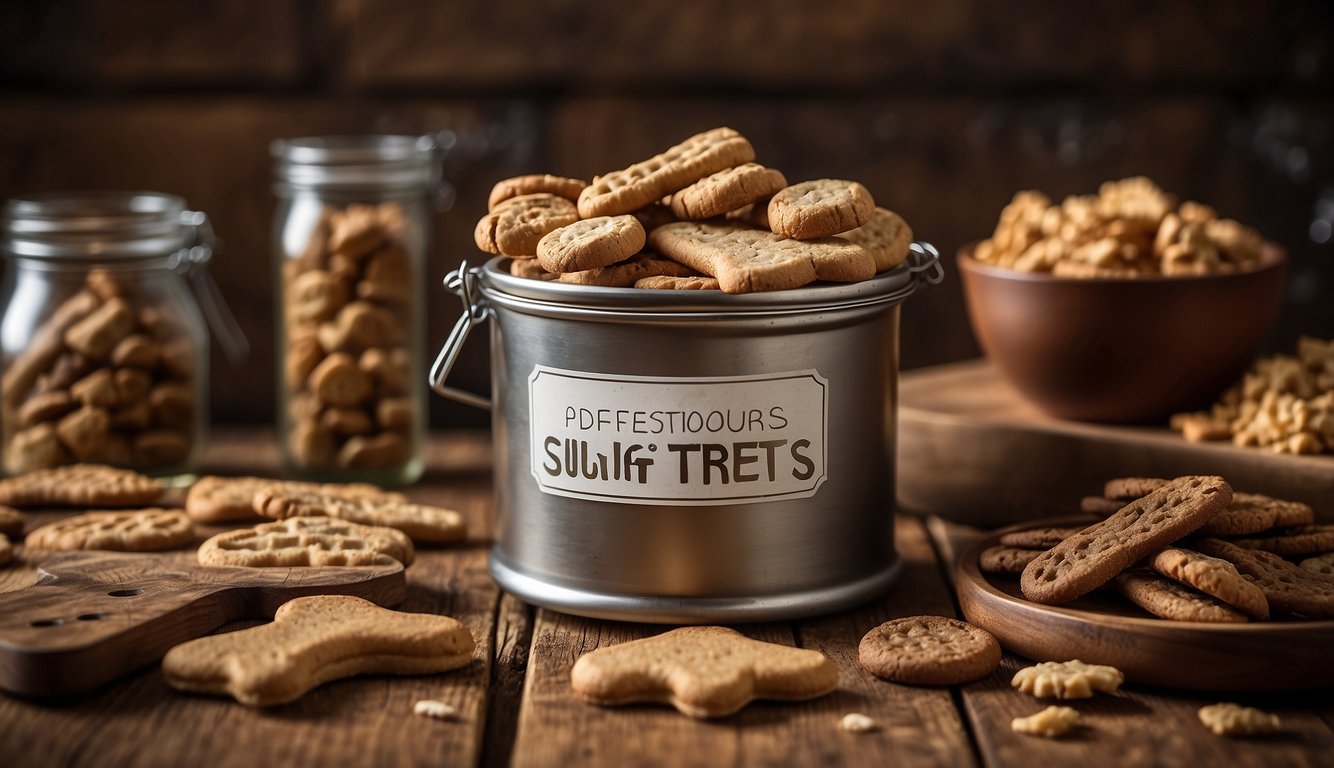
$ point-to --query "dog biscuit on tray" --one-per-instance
(307, 541)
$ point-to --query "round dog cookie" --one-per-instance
(1294, 542)
(929, 650)
(886, 236)
(649, 181)
(1131, 488)
(1320, 564)
(819, 208)
(1167, 599)
(11, 521)
(1097, 505)
(1214, 577)
(628, 272)
(1248, 513)
(1288, 587)
(142, 530)
(307, 541)
(591, 243)
(1039, 538)
(1006, 561)
(516, 225)
(80, 485)
(507, 189)
(702, 671)
(530, 269)
(726, 190)
(667, 282)
(1289, 514)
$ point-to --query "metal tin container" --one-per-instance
(690, 456)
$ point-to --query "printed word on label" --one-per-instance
(678, 441)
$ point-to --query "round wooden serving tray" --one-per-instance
(1101, 628)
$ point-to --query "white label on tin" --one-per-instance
(678, 441)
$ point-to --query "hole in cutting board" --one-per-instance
(126, 592)
(92, 616)
(47, 623)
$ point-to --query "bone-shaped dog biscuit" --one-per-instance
(312, 641)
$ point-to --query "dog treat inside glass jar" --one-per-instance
(105, 349)
(351, 243)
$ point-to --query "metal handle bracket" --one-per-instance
(462, 282)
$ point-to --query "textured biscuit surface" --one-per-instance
(1323, 564)
(1212, 576)
(1294, 542)
(1236, 720)
(646, 182)
(1039, 538)
(702, 671)
(929, 650)
(219, 499)
(1247, 512)
(420, 522)
(516, 226)
(530, 269)
(1088, 559)
(726, 190)
(590, 243)
(1006, 561)
(1287, 587)
(532, 184)
(1130, 488)
(11, 521)
(629, 272)
(668, 283)
(1097, 505)
(1067, 679)
(746, 260)
(820, 208)
(312, 641)
(142, 530)
(307, 541)
(886, 236)
(80, 485)
(1168, 599)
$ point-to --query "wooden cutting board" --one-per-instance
(1103, 629)
(94, 616)
(970, 450)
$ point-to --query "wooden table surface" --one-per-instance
(515, 705)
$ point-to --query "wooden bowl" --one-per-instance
(1121, 350)
(1103, 629)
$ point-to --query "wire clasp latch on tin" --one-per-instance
(924, 263)
(463, 282)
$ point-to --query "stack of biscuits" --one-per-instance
(108, 377)
(1188, 549)
(702, 215)
(347, 306)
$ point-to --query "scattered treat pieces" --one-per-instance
(533, 184)
(312, 641)
(1168, 599)
(145, 530)
(929, 650)
(80, 485)
(820, 208)
(218, 499)
(747, 260)
(1006, 561)
(886, 236)
(702, 671)
(590, 243)
(437, 710)
(11, 522)
(1293, 542)
(856, 722)
(629, 272)
(726, 190)
(1321, 564)
(1287, 587)
(1040, 538)
(1067, 680)
(1284, 404)
(307, 541)
(422, 523)
(1130, 229)
(6, 550)
(1212, 576)
(1088, 559)
(647, 182)
(1236, 720)
(1052, 722)
(664, 282)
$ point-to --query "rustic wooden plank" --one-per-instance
(509, 667)
(842, 45)
(105, 44)
(920, 726)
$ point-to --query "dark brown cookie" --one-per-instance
(1130, 488)
(929, 650)
(1040, 538)
(1088, 559)
(1287, 587)
(1006, 561)
(1097, 505)
(1293, 542)
(1248, 513)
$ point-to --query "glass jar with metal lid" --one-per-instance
(350, 239)
(105, 348)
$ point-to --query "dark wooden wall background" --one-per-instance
(943, 108)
